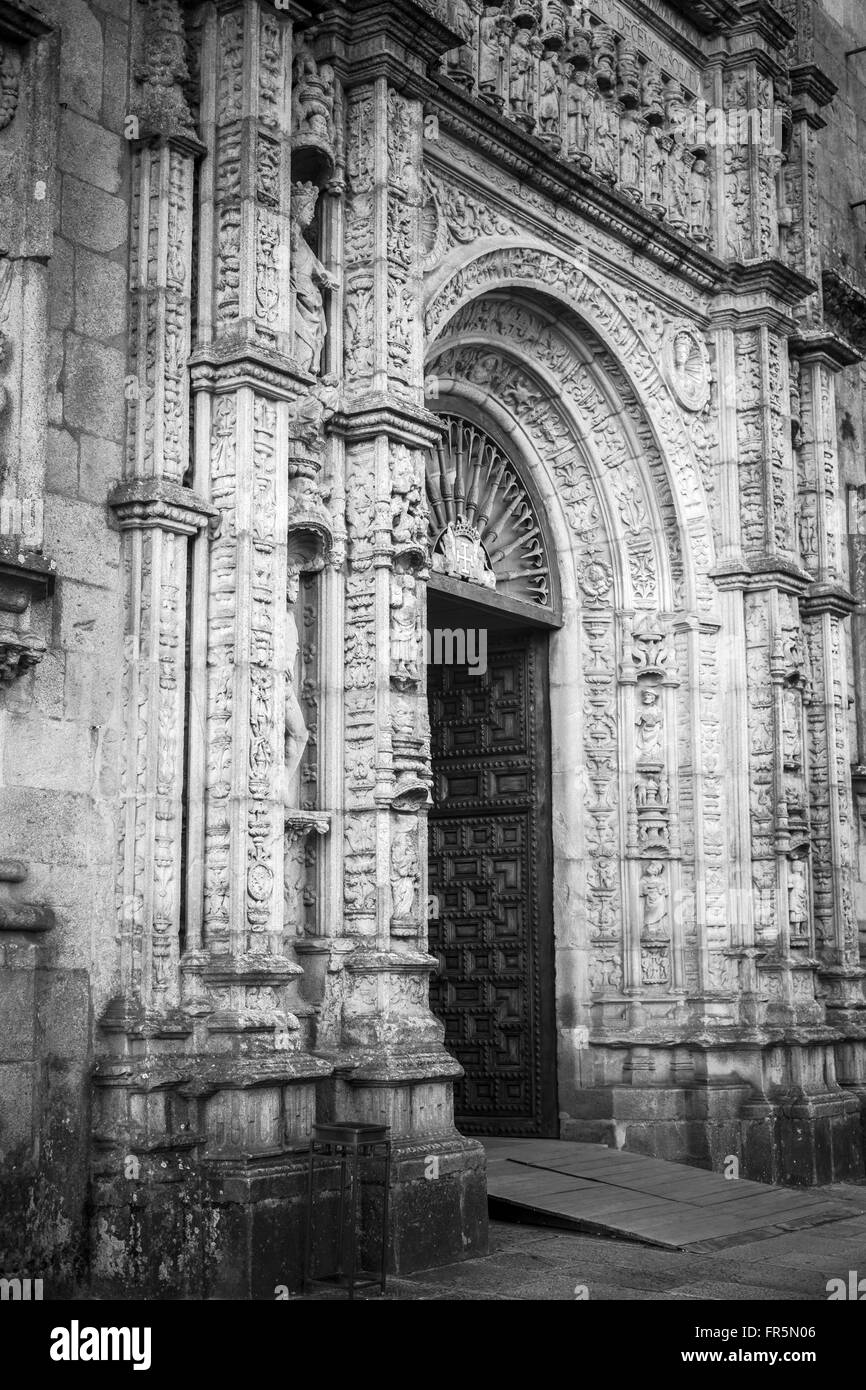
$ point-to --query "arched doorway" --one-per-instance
(574, 385)
(492, 603)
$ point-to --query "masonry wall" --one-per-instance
(59, 722)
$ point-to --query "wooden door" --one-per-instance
(491, 878)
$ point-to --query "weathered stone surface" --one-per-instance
(330, 347)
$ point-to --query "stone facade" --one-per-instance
(268, 274)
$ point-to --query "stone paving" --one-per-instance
(529, 1263)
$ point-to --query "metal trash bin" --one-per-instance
(351, 1144)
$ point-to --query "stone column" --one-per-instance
(158, 515)
(792, 678)
(759, 562)
(215, 1080)
(825, 607)
(392, 1066)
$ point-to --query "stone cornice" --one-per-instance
(845, 303)
(808, 80)
(834, 599)
(760, 293)
(711, 16)
(366, 962)
(229, 364)
(144, 504)
(659, 16)
(822, 345)
(372, 416)
(522, 155)
(760, 574)
(396, 39)
(761, 19)
(771, 278)
(175, 140)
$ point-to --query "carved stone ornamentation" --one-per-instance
(10, 82)
(313, 130)
(688, 367)
(310, 281)
(470, 465)
(163, 72)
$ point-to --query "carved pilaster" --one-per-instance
(158, 515)
(260, 459)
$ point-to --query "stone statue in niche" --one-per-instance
(605, 138)
(493, 49)
(308, 279)
(405, 662)
(794, 376)
(652, 792)
(649, 724)
(409, 517)
(807, 528)
(461, 61)
(656, 170)
(297, 735)
(654, 967)
(798, 898)
(404, 876)
(521, 84)
(679, 192)
(549, 108)
(699, 217)
(579, 127)
(654, 900)
(294, 883)
(630, 155)
(792, 749)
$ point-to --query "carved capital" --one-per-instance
(19, 653)
(24, 577)
(149, 503)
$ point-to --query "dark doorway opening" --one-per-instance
(491, 864)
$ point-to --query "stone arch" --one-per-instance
(582, 439)
(586, 307)
(541, 348)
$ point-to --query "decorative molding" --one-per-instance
(845, 307)
(145, 503)
(25, 577)
(483, 526)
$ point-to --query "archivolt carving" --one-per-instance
(541, 272)
(518, 356)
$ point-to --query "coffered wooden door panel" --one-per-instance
(490, 872)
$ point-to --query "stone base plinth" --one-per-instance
(777, 1109)
(236, 1230)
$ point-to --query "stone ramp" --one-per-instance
(602, 1191)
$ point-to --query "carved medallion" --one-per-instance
(687, 366)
